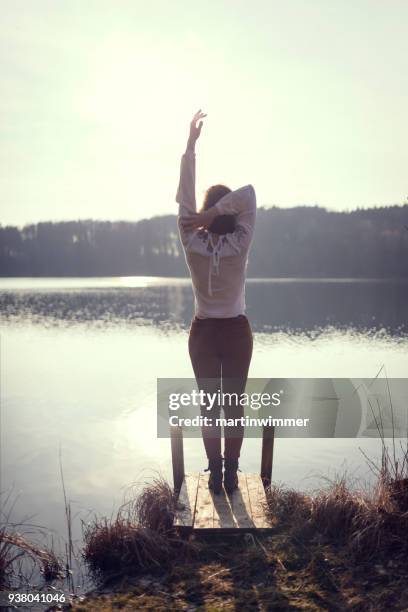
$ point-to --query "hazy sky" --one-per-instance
(306, 99)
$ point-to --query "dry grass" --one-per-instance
(338, 511)
(369, 523)
(119, 546)
(283, 503)
(156, 506)
(18, 555)
(140, 537)
(270, 571)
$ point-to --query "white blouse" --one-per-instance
(217, 268)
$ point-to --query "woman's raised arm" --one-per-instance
(186, 189)
(195, 130)
(185, 197)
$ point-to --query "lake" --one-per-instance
(80, 358)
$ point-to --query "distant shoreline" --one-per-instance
(291, 243)
(187, 280)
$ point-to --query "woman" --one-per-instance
(216, 243)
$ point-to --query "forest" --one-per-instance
(304, 241)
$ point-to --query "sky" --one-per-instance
(306, 99)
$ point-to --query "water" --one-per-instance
(80, 358)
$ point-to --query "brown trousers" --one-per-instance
(220, 352)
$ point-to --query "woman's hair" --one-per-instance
(222, 224)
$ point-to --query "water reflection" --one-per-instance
(296, 306)
(93, 394)
(304, 306)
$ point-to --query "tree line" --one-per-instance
(304, 241)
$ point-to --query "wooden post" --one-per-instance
(177, 456)
(267, 454)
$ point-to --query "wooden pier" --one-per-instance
(200, 510)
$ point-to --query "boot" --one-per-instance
(215, 479)
(230, 475)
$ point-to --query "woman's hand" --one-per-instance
(195, 130)
(202, 219)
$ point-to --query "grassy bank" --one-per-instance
(281, 572)
(336, 550)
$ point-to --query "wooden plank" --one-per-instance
(223, 516)
(203, 511)
(241, 507)
(187, 501)
(204, 515)
(177, 456)
(257, 499)
(267, 454)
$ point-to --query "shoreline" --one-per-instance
(335, 549)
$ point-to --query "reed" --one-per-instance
(20, 558)
(368, 522)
